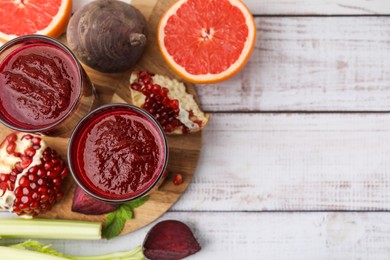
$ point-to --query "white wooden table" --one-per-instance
(296, 158)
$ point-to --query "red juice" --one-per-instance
(43, 87)
(118, 153)
(39, 84)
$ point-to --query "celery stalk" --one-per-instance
(20, 254)
(45, 249)
(134, 254)
(50, 229)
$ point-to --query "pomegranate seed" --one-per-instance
(42, 190)
(30, 152)
(55, 161)
(3, 188)
(33, 170)
(45, 197)
(26, 200)
(36, 140)
(17, 154)
(36, 146)
(57, 169)
(4, 177)
(26, 161)
(12, 178)
(178, 179)
(51, 174)
(18, 167)
(12, 138)
(11, 147)
(35, 196)
(24, 182)
(48, 166)
(34, 205)
(32, 177)
(27, 137)
(64, 173)
(18, 191)
(137, 86)
(42, 182)
(22, 206)
(26, 190)
(57, 181)
(41, 173)
(33, 185)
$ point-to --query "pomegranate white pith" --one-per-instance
(31, 175)
(168, 101)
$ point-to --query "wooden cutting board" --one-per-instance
(113, 88)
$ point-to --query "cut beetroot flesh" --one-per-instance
(85, 204)
(157, 103)
(170, 240)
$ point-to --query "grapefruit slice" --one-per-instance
(22, 17)
(206, 41)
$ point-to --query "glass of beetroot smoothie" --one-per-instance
(117, 153)
(43, 88)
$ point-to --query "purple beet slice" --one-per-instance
(84, 203)
(170, 240)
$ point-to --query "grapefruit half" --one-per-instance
(22, 17)
(206, 41)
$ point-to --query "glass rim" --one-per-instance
(91, 114)
(63, 47)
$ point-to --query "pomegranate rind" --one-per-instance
(177, 90)
(208, 78)
(37, 172)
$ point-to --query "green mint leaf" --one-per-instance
(110, 217)
(126, 212)
(137, 202)
(115, 221)
(115, 226)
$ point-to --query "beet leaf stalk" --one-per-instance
(50, 229)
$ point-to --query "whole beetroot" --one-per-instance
(107, 35)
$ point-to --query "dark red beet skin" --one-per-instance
(84, 203)
(170, 240)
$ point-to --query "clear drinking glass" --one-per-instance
(43, 87)
(118, 153)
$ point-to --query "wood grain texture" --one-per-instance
(253, 235)
(292, 162)
(302, 7)
(319, 7)
(310, 64)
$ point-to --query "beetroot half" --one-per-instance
(84, 203)
(170, 240)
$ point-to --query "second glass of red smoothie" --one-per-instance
(43, 87)
(117, 153)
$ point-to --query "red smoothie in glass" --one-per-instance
(118, 153)
(39, 85)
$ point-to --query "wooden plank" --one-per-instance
(318, 7)
(305, 7)
(310, 64)
(293, 162)
(267, 236)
